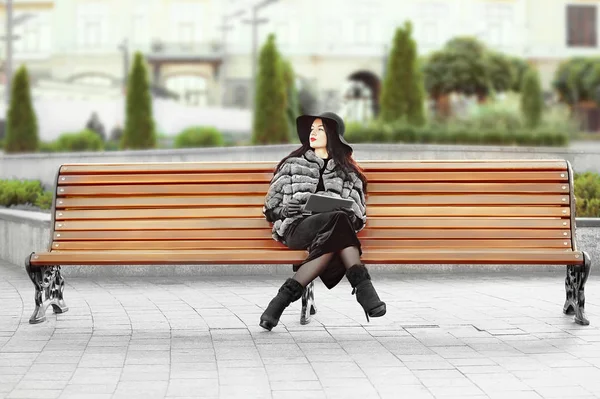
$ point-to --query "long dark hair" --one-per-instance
(336, 150)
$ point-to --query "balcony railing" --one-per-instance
(192, 51)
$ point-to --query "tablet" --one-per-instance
(318, 203)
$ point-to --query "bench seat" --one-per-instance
(502, 212)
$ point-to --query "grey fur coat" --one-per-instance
(298, 177)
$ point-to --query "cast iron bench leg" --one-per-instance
(308, 304)
(49, 286)
(575, 290)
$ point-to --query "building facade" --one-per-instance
(337, 49)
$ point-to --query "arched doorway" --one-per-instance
(361, 96)
(192, 89)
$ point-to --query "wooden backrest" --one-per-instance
(411, 204)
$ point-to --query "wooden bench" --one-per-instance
(419, 212)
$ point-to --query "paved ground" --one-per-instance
(445, 336)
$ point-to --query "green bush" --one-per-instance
(456, 132)
(587, 192)
(44, 200)
(199, 137)
(270, 124)
(22, 127)
(47, 146)
(86, 140)
(403, 90)
(139, 130)
(19, 192)
(532, 103)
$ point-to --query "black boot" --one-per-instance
(360, 280)
(289, 292)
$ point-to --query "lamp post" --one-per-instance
(255, 21)
(225, 28)
(124, 47)
(10, 23)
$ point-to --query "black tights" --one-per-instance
(311, 270)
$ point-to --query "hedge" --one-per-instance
(199, 137)
(454, 134)
(22, 192)
(587, 192)
(85, 140)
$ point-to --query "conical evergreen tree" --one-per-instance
(270, 102)
(403, 88)
(139, 124)
(532, 102)
(415, 95)
(22, 128)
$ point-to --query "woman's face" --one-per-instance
(317, 137)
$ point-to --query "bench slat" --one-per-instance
(265, 233)
(232, 223)
(261, 188)
(173, 202)
(265, 177)
(271, 244)
(499, 165)
(521, 256)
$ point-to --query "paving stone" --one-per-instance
(200, 338)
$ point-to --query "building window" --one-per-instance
(29, 40)
(581, 26)
(361, 32)
(33, 34)
(498, 24)
(186, 22)
(140, 28)
(431, 15)
(92, 25)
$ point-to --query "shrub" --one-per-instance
(86, 140)
(270, 100)
(577, 79)
(199, 137)
(531, 98)
(520, 66)
(139, 124)
(44, 200)
(15, 192)
(501, 71)
(95, 125)
(456, 132)
(402, 94)
(24, 192)
(46, 146)
(22, 128)
(587, 192)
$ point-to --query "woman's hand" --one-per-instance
(292, 208)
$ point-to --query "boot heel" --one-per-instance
(378, 311)
(367, 314)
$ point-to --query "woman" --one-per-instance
(324, 165)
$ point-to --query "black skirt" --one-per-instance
(321, 234)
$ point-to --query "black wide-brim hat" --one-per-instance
(304, 122)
